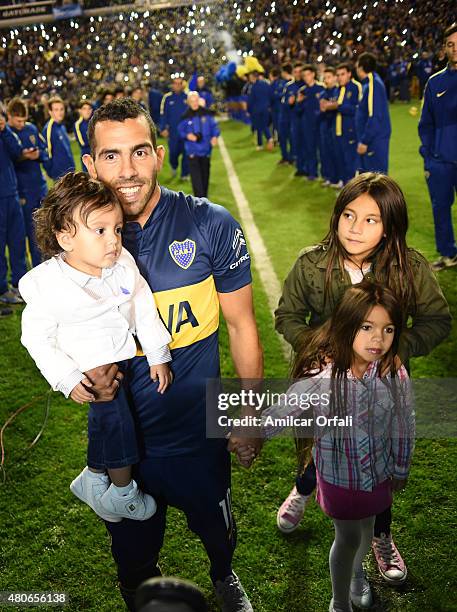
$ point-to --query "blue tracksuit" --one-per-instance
(424, 69)
(172, 109)
(31, 183)
(80, 130)
(309, 113)
(59, 150)
(373, 125)
(288, 121)
(276, 87)
(345, 130)
(198, 122)
(327, 138)
(12, 232)
(259, 105)
(438, 134)
(155, 99)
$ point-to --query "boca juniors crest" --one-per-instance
(183, 253)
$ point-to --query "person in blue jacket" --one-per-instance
(32, 185)
(57, 142)
(329, 165)
(438, 135)
(199, 130)
(155, 100)
(12, 230)
(259, 108)
(204, 92)
(290, 98)
(424, 69)
(345, 138)
(80, 129)
(308, 110)
(285, 119)
(372, 118)
(172, 108)
(276, 85)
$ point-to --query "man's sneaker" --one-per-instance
(231, 595)
(391, 566)
(291, 512)
(360, 592)
(173, 172)
(135, 505)
(444, 262)
(283, 162)
(89, 488)
(338, 185)
(12, 296)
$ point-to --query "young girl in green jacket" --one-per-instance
(366, 239)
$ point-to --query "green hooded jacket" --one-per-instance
(302, 305)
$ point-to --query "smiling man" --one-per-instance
(194, 258)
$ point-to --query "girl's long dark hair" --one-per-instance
(390, 263)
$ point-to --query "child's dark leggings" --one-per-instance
(306, 483)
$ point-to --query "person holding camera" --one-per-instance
(199, 130)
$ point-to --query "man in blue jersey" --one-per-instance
(204, 92)
(57, 142)
(438, 134)
(80, 129)
(372, 118)
(193, 255)
(308, 110)
(289, 101)
(329, 165)
(285, 119)
(31, 182)
(172, 108)
(259, 107)
(424, 69)
(12, 231)
(276, 85)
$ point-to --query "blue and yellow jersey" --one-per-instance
(189, 250)
(348, 100)
(80, 130)
(10, 151)
(372, 117)
(31, 182)
(172, 108)
(59, 150)
(438, 122)
(309, 108)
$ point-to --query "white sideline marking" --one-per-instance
(262, 261)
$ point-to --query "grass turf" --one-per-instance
(50, 541)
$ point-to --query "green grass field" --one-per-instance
(51, 541)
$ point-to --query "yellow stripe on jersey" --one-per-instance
(359, 87)
(78, 132)
(48, 137)
(162, 102)
(370, 94)
(339, 118)
(191, 313)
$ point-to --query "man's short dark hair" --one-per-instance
(17, 108)
(298, 65)
(275, 72)
(119, 110)
(84, 102)
(344, 66)
(287, 68)
(330, 69)
(452, 29)
(367, 62)
(310, 67)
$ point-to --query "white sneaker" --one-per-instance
(136, 505)
(291, 511)
(89, 488)
(360, 592)
(338, 185)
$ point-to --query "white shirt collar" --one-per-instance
(82, 278)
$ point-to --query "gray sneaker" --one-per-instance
(444, 262)
(231, 595)
(12, 296)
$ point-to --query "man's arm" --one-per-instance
(246, 350)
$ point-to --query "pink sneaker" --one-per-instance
(391, 566)
(291, 512)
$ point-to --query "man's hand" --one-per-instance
(214, 141)
(192, 137)
(397, 366)
(164, 133)
(80, 394)
(300, 97)
(105, 380)
(362, 148)
(163, 373)
(246, 449)
(291, 100)
(323, 105)
(398, 484)
(32, 153)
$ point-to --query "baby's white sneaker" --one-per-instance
(134, 505)
(89, 487)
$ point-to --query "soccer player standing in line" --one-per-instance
(172, 108)
(438, 134)
(58, 144)
(193, 255)
(80, 129)
(372, 118)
